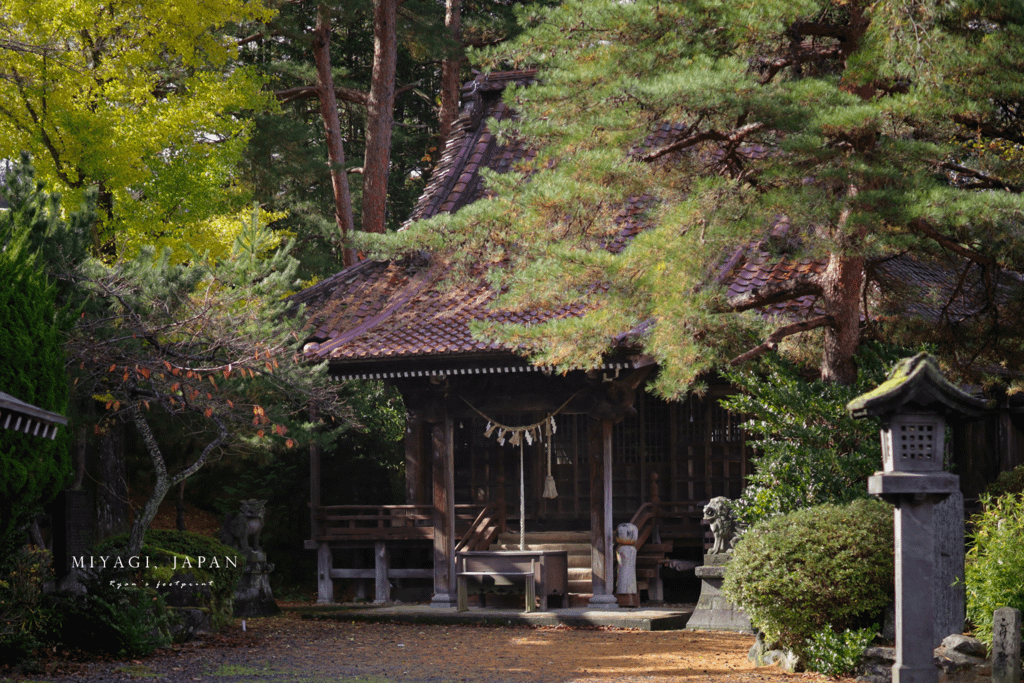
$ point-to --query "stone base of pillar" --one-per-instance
(714, 611)
(444, 600)
(603, 601)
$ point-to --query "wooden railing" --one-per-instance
(484, 529)
(386, 522)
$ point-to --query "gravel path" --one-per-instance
(287, 649)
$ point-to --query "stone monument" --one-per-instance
(913, 404)
(253, 597)
(626, 592)
(714, 610)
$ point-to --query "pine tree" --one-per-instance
(870, 129)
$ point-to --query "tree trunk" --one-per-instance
(164, 482)
(842, 282)
(380, 115)
(450, 71)
(179, 507)
(332, 127)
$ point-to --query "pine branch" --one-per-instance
(925, 228)
(985, 182)
(735, 137)
(776, 292)
(807, 52)
(778, 335)
(308, 92)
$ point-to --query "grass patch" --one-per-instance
(139, 671)
(240, 670)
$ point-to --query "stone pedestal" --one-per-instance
(253, 597)
(714, 610)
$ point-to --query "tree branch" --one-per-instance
(777, 292)
(986, 182)
(735, 136)
(925, 228)
(308, 92)
(778, 335)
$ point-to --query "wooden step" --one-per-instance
(571, 548)
(546, 537)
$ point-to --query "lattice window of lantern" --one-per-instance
(914, 442)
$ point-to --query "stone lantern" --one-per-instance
(914, 404)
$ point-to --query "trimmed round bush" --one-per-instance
(828, 565)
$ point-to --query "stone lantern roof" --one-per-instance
(916, 384)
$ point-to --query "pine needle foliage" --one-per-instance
(876, 129)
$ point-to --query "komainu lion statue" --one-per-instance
(723, 525)
(242, 530)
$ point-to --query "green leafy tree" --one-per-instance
(870, 129)
(142, 101)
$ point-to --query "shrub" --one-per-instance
(1011, 481)
(808, 450)
(25, 619)
(837, 654)
(829, 565)
(162, 546)
(995, 561)
(123, 619)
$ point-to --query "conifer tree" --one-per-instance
(32, 469)
(841, 132)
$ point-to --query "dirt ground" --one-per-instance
(287, 649)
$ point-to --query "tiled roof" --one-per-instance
(471, 146)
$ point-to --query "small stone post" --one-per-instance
(913, 404)
(625, 583)
(1006, 645)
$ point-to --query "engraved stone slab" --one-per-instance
(1006, 645)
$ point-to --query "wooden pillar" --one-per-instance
(324, 559)
(314, 491)
(443, 462)
(602, 545)
(381, 564)
(414, 465)
(324, 583)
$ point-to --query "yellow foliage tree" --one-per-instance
(143, 100)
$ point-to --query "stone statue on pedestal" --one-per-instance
(714, 610)
(626, 592)
(253, 596)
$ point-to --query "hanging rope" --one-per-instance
(516, 435)
(550, 490)
(522, 501)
